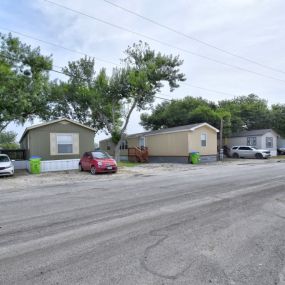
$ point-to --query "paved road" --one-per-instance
(208, 225)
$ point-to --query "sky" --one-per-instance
(249, 28)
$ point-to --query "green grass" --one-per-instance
(127, 164)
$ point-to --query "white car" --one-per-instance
(249, 152)
(6, 165)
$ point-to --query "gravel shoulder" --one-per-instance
(23, 179)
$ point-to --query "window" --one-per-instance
(269, 142)
(64, 143)
(141, 141)
(245, 148)
(203, 139)
(100, 154)
(251, 141)
(124, 144)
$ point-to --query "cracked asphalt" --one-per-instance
(210, 224)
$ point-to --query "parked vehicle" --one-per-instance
(97, 162)
(6, 165)
(249, 152)
(281, 150)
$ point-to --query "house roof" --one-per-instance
(53, 122)
(259, 132)
(184, 128)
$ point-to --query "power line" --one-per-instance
(163, 43)
(192, 38)
(67, 74)
(57, 45)
(182, 83)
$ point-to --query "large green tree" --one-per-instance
(23, 81)
(107, 102)
(247, 112)
(185, 111)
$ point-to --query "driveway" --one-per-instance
(212, 224)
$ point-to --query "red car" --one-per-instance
(97, 162)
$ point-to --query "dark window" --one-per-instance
(235, 147)
(203, 139)
(251, 141)
(124, 144)
(244, 148)
(64, 144)
(4, 158)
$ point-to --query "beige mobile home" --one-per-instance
(57, 140)
(171, 144)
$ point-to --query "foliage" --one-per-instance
(188, 110)
(278, 118)
(247, 112)
(244, 112)
(8, 140)
(23, 81)
(108, 102)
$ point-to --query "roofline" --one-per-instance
(53, 122)
(254, 135)
(168, 131)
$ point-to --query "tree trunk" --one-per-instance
(117, 151)
(117, 147)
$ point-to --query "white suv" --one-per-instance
(6, 165)
(249, 152)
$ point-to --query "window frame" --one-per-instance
(65, 144)
(266, 142)
(203, 140)
(251, 141)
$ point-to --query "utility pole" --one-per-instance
(221, 149)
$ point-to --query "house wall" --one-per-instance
(194, 141)
(39, 140)
(243, 141)
(172, 146)
(169, 144)
(273, 150)
(103, 145)
(280, 142)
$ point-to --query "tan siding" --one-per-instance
(195, 141)
(171, 144)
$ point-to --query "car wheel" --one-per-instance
(235, 155)
(93, 170)
(80, 168)
(258, 156)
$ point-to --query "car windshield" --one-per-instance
(4, 158)
(100, 154)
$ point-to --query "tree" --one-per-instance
(278, 118)
(8, 140)
(103, 101)
(189, 110)
(247, 112)
(23, 81)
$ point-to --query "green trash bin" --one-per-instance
(194, 157)
(35, 165)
